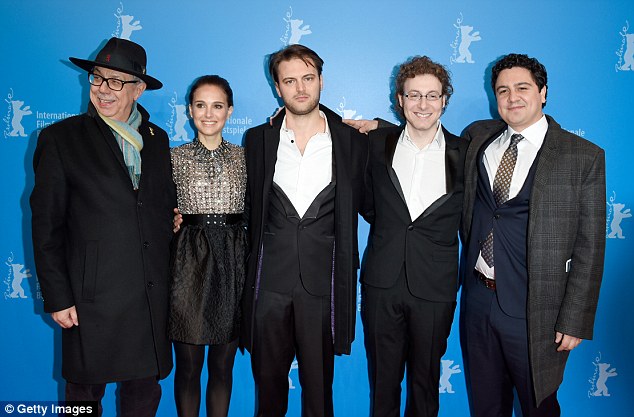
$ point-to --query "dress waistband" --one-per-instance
(212, 219)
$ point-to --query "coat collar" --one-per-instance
(145, 129)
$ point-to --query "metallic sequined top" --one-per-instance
(209, 182)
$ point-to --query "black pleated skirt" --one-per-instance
(208, 272)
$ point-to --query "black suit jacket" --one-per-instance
(428, 246)
(350, 153)
(104, 248)
(299, 248)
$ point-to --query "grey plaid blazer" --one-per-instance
(566, 222)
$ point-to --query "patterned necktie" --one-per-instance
(501, 186)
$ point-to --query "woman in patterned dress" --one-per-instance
(208, 254)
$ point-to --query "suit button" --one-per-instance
(150, 284)
(410, 227)
(497, 216)
(146, 245)
(139, 203)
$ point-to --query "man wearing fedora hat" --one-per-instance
(101, 206)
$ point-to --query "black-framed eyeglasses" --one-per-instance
(113, 83)
(417, 96)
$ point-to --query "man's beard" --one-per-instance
(303, 108)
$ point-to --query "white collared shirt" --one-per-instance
(303, 177)
(421, 172)
(527, 150)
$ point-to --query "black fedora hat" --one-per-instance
(121, 55)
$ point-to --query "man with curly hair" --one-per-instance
(414, 184)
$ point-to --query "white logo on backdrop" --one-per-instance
(626, 51)
(446, 372)
(15, 279)
(462, 42)
(616, 213)
(294, 29)
(177, 121)
(15, 113)
(602, 372)
(293, 367)
(347, 113)
(125, 24)
(237, 125)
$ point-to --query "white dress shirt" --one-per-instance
(421, 172)
(303, 177)
(527, 150)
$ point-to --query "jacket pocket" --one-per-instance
(89, 282)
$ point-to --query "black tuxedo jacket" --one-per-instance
(428, 246)
(350, 155)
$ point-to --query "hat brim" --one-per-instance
(87, 65)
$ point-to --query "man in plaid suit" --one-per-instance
(534, 242)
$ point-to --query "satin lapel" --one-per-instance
(391, 140)
(452, 160)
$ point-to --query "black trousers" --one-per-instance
(400, 331)
(138, 397)
(289, 325)
(495, 348)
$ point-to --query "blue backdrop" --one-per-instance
(587, 47)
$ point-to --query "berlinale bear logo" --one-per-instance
(294, 29)
(125, 24)
(616, 213)
(15, 279)
(179, 126)
(446, 373)
(598, 382)
(463, 40)
(128, 26)
(16, 120)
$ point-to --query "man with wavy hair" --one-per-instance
(414, 185)
(534, 239)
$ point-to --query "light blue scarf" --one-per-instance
(130, 141)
